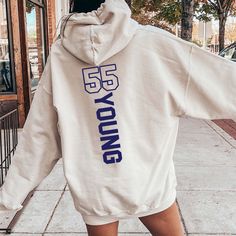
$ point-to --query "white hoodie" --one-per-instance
(108, 103)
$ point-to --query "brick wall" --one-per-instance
(39, 40)
(51, 15)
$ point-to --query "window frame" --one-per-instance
(43, 6)
(11, 50)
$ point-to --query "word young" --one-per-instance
(95, 79)
(106, 116)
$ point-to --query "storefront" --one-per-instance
(27, 28)
(7, 82)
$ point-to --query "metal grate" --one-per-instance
(8, 141)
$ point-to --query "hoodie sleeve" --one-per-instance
(38, 148)
(211, 86)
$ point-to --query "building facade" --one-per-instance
(27, 30)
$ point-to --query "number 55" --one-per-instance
(96, 78)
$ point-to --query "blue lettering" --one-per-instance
(102, 113)
(111, 157)
(110, 144)
(104, 125)
(105, 99)
(108, 133)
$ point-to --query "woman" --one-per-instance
(108, 104)
(166, 222)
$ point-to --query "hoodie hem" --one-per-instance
(100, 220)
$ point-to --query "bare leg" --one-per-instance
(110, 229)
(165, 223)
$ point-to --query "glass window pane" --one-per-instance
(6, 83)
(35, 39)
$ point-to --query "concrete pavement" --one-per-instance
(205, 161)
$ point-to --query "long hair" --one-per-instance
(84, 5)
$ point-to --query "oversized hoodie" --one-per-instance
(108, 104)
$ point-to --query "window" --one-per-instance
(36, 39)
(6, 72)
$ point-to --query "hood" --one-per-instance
(95, 36)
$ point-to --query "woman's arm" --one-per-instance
(211, 86)
(38, 149)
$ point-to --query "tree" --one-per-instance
(171, 12)
(168, 10)
(148, 12)
(187, 19)
(163, 14)
(223, 10)
(176, 11)
(219, 9)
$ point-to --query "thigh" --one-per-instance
(110, 229)
(164, 223)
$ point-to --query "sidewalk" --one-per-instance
(205, 160)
